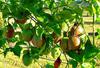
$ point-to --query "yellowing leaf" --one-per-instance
(94, 10)
(64, 26)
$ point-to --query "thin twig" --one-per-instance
(67, 66)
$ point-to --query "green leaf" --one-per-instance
(17, 50)
(64, 26)
(90, 51)
(98, 19)
(98, 30)
(1, 33)
(2, 41)
(13, 39)
(53, 52)
(27, 59)
(75, 56)
(35, 52)
(5, 11)
(74, 63)
(6, 51)
(26, 35)
(94, 10)
(86, 65)
(56, 29)
(39, 32)
(19, 43)
(15, 25)
(49, 66)
(98, 56)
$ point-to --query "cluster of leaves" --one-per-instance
(50, 17)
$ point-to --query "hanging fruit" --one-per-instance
(77, 30)
(38, 42)
(73, 43)
(57, 63)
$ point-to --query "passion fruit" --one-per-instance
(77, 30)
(38, 42)
(73, 43)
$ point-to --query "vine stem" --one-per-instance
(93, 29)
(67, 66)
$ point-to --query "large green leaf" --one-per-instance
(35, 52)
(27, 59)
(17, 49)
(49, 66)
(73, 63)
(90, 51)
(56, 29)
(76, 56)
(2, 41)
